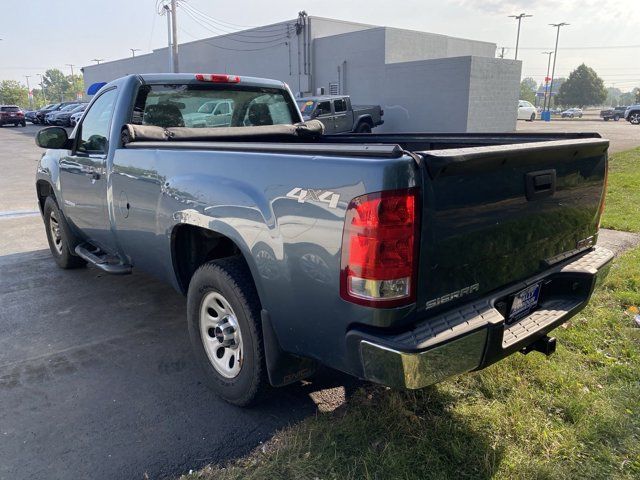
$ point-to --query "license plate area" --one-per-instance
(523, 302)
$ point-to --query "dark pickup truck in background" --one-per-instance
(338, 115)
(615, 113)
(402, 259)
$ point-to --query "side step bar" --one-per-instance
(103, 261)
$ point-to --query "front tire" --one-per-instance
(223, 314)
(634, 118)
(59, 237)
(532, 118)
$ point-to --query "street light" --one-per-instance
(44, 93)
(97, 60)
(555, 54)
(546, 80)
(133, 51)
(519, 18)
(29, 92)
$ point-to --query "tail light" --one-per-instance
(379, 249)
(217, 78)
(603, 200)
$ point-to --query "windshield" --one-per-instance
(200, 106)
(68, 108)
(79, 108)
(306, 107)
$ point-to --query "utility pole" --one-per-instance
(29, 92)
(44, 93)
(133, 51)
(174, 35)
(167, 12)
(555, 54)
(546, 80)
(97, 60)
(501, 55)
(519, 18)
(73, 80)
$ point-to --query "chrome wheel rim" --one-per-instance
(54, 228)
(221, 335)
(635, 118)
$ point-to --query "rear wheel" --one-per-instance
(606, 119)
(533, 117)
(363, 127)
(616, 118)
(223, 312)
(59, 237)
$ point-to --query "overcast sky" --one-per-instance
(38, 34)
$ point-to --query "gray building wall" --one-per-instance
(424, 81)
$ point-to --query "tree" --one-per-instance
(637, 92)
(528, 88)
(613, 96)
(14, 93)
(583, 87)
(56, 85)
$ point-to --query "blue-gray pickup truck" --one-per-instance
(402, 259)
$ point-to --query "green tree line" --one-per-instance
(55, 87)
(583, 88)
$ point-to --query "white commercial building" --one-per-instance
(423, 81)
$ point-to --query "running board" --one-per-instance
(102, 260)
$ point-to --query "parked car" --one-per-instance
(30, 116)
(632, 114)
(572, 113)
(215, 113)
(615, 113)
(390, 257)
(63, 116)
(43, 112)
(11, 115)
(51, 117)
(75, 118)
(338, 115)
(526, 111)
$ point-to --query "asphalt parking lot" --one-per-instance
(621, 134)
(96, 375)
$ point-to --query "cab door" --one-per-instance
(83, 173)
(325, 115)
(343, 120)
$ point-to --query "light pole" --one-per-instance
(519, 18)
(555, 54)
(97, 60)
(44, 93)
(73, 82)
(167, 12)
(29, 92)
(546, 80)
(133, 51)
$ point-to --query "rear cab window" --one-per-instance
(200, 106)
(9, 109)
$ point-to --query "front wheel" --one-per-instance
(606, 119)
(616, 118)
(58, 236)
(533, 117)
(223, 313)
(634, 118)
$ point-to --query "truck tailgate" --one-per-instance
(496, 215)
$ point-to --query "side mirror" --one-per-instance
(52, 137)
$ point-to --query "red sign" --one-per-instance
(547, 79)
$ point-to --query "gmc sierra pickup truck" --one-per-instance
(402, 259)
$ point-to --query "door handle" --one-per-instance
(540, 184)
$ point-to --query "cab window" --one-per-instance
(340, 105)
(323, 108)
(94, 130)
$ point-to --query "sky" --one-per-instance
(40, 34)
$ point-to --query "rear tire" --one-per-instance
(59, 236)
(532, 118)
(363, 127)
(606, 119)
(223, 314)
(616, 118)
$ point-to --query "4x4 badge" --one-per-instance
(322, 196)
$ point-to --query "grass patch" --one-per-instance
(573, 415)
(623, 198)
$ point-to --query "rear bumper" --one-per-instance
(475, 335)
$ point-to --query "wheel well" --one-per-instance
(365, 119)
(43, 190)
(193, 246)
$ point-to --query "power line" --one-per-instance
(229, 48)
(233, 35)
(592, 47)
(215, 25)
